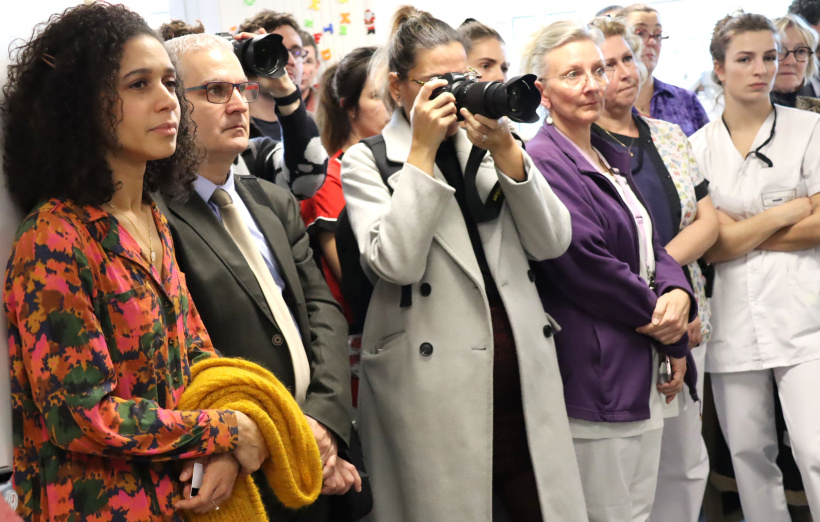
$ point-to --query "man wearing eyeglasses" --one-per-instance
(657, 99)
(244, 250)
(264, 117)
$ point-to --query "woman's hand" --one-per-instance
(430, 121)
(492, 135)
(695, 334)
(495, 136)
(675, 386)
(670, 318)
(251, 450)
(217, 483)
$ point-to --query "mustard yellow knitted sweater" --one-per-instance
(294, 469)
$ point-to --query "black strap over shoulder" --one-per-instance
(386, 167)
(480, 210)
(258, 193)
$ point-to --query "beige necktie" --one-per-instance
(238, 229)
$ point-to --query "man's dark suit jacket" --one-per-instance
(235, 312)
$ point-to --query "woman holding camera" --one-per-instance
(460, 400)
(102, 330)
(623, 302)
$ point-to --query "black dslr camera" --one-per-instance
(518, 99)
(264, 55)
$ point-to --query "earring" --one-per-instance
(549, 119)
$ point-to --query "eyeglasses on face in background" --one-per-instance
(221, 92)
(299, 53)
(645, 36)
(800, 53)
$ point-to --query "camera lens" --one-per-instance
(264, 55)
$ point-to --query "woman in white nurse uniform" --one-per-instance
(763, 166)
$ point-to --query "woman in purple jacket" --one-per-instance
(623, 302)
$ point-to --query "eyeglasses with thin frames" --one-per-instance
(300, 53)
(578, 79)
(221, 92)
(801, 54)
(471, 74)
(645, 36)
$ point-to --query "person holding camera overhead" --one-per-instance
(623, 302)
(461, 410)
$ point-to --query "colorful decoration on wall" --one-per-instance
(345, 18)
(308, 23)
(370, 21)
(326, 54)
(317, 37)
(314, 4)
(343, 30)
(342, 1)
(328, 28)
(250, 2)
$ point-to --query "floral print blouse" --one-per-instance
(100, 346)
(676, 152)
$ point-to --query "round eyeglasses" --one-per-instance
(578, 79)
(221, 92)
(801, 54)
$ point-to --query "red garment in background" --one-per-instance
(320, 213)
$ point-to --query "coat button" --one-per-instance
(531, 275)
(548, 331)
(426, 349)
(277, 340)
(425, 289)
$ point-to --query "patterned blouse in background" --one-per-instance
(677, 105)
(676, 153)
(100, 348)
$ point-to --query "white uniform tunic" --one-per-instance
(766, 305)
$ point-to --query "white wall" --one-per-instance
(685, 55)
(17, 21)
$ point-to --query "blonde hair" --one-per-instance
(412, 31)
(806, 33)
(620, 27)
(553, 36)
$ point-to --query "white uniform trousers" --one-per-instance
(745, 406)
(619, 475)
(684, 466)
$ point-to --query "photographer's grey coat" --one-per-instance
(426, 390)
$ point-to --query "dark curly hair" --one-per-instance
(808, 9)
(177, 28)
(59, 83)
(269, 21)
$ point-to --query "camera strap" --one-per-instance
(480, 210)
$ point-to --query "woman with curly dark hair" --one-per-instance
(102, 331)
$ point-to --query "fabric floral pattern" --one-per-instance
(676, 152)
(100, 347)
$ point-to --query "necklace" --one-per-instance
(150, 242)
(628, 148)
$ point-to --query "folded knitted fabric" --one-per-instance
(294, 469)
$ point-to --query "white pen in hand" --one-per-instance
(196, 481)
